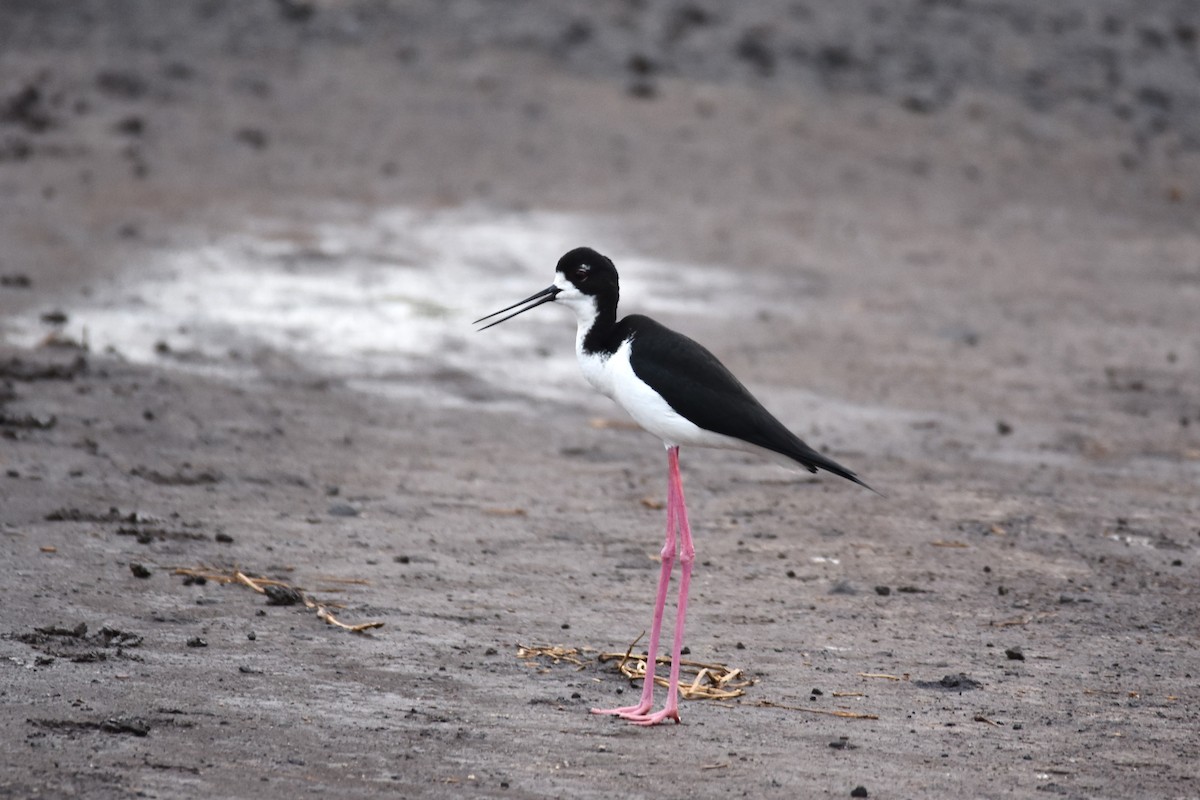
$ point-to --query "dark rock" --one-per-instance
(959, 682)
(16, 281)
(27, 108)
(282, 595)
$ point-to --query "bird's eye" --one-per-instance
(583, 273)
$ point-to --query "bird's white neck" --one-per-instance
(595, 317)
(586, 315)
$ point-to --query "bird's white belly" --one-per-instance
(614, 377)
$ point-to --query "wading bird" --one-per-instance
(678, 391)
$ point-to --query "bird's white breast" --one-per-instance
(595, 366)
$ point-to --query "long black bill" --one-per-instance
(544, 296)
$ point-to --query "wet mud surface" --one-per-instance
(951, 244)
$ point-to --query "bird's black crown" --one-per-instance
(589, 271)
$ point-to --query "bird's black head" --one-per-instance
(590, 273)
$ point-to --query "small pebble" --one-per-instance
(282, 595)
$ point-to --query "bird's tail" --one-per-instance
(812, 461)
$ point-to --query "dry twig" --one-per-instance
(258, 585)
(707, 681)
(556, 653)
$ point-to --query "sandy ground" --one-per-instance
(952, 244)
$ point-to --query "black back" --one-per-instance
(699, 387)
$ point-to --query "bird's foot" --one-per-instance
(657, 717)
(626, 711)
(639, 714)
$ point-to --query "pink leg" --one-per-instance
(676, 515)
(686, 557)
(664, 579)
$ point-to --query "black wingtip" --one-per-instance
(868, 487)
(814, 461)
(842, 472)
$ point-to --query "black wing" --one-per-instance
(701, 388)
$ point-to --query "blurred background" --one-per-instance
(431, 159)
(952, 243)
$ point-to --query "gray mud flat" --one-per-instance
(952, 245)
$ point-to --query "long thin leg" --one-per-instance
(686, 557)
(664, 579)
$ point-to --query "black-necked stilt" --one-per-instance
(677, 390)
